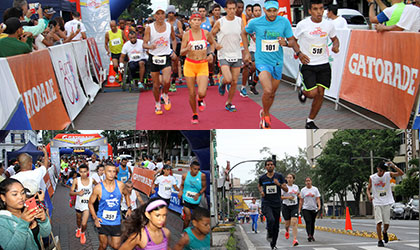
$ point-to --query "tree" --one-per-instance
(409, 186)
(137, 9)
(113, 136)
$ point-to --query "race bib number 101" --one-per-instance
(269, 45)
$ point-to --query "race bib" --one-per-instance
(381, 194)
(232, 60)
(317, 50)
(191, 194)
(116, 42)
(135, 56)
(167, 188)
(84, 201)
(269, 45)
(198, 45)
(109, 215)
(159, 60)
(271, 189)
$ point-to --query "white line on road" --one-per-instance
(374, 247)
(325, 248)
(391, 226)
(246, 239)
(350, 243)
(413, 245)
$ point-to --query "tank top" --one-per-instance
(206, 25)
(116, 41)
(82, 201)
(123, 175)
(196, 244)
(198, 44)
(192, 185)
(109, 206)
(176, 30)
(161, 40)
(381, 189)
(133, 199)
(229, 37)
(153, 246)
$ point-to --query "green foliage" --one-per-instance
(138, 9)
(231, 244)
(409, 186)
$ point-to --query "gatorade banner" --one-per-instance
(143, 180)
(66, 71)
(12, 111)
(35, 79)
(48, 184)
(382, 75)
(284, 9)
(80, 50)
(95, 58)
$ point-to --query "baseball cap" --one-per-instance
(158, 8)
(170, 8)
(271, 4)
(31, 187)
(13, 24)
(49, 10)
(166, 166)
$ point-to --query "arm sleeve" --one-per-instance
(382, 17)
(317, 193)
(333, 31)
(82, 27)
(36, 30)
(16, 238)
(44, 227)
(124, 49)
(298, 31)
(288, 30)
(250, 27)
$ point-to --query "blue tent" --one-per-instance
(28, 148)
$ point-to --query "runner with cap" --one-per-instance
(194, 46)
(114, 40)
(137, 57)
(157, 38)
(165, 183)
(177, 26)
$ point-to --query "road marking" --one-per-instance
(246, 239)
(374, 247)
(325, 248)
(413, 245)
(358, 243)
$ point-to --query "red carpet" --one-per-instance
(214, 117)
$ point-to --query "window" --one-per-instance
(22, 138)
(12, 137)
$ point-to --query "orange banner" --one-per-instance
(143, 179)
(48, 184)
(381, 73)
(35, 78)
(284, 9)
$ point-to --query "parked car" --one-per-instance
(397, 211)
(411, 211)
(355, 19)
(128, 157)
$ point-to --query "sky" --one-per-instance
(159, 3)
(240, 145)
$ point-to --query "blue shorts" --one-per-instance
(275, 71)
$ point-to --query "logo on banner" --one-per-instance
(70, 86)
(95, 56)
(87, 66)
(38, 97)
(94, 3)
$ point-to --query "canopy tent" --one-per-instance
(28, 148)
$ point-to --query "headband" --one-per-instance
(195, 15)
(155, 204)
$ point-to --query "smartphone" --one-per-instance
(31, 203)
(78, 26)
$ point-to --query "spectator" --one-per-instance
(409, 21)
(74, 26)
(338, 21)
(15, 43)
(389, 16)
(2, 170)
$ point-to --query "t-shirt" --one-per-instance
(381, 189)
(386, 14)
(271, 191)
(293, 191)
(159, 166)
(313, 39)
(10, 46)
(11, 170)
(71, 26)
(92, 167)
(339, 23)
(98, 178)
(165, 185)
(135, 51)
(151, 166)
(410, 19)
(309, 198)
(39, 43)
(253, 208)
(36, 175)
(269, 51)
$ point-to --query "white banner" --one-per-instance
(55, 158)
(65, 69)
(82, 59)
(9, 94)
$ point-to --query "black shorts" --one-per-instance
(189, 205)
(115, 56)
(289, 211)
(158, 68)
(79, 211)
(316, 75)
(166, 200)
(110, 230)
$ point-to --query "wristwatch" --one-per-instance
(298, 53)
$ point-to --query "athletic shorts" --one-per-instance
(382, 213)
(316, 75)
(115, 56)
(80, 211)
(189, 205)
(236, 64)
(275, 71)
(194, 68)
(110, 230)
(289, 211)
(166, 200)
(156, 67)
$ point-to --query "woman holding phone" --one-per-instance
(21, 227)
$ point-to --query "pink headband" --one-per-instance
(155, 204)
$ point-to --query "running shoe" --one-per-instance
(286, 235)
(161, 100)
(82, 238)
(222, 87)
(301, 96)
(309, 238)
(253, 90)
(256, 231)
(211, 81)
(313, 239)
(70, 204)
(172, 88)
(194, 119)
(295, 243)
(385, 237)
(140, 85)
(243, 92)
(167, 105)
(228, 87)
(265, 121)
(274, 248)
(201, 105)
(252, 229)
(230, 107)
(381, 243)
(310, 125)
(158, 110)
(78, 232)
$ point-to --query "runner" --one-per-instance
(206, 24)
(290, 207)
(193, 185)
(134, 196)
(269, 185)
(108, 218)
(177, 26)
(93, 164)
(382, 198)
(216, 13)
(312, 35)
(136, 55)
(123, 171)
(146, 227)
(245, 65)
(159, 34)
(99, 175)
(254, 212)
(114, 40)
(196, 63)
(165, 184)
(270, 31)
(253, 80)
(197, 237)
(82, 188)
(229, 33)
(309, 204)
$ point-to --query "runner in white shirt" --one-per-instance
(99, 175)
(290, 207)
(136, 55)
(338, 21)
(74, 25)
(134, 196)
(254, 211)
(312, 35)
(165, 183)
(93, 164)
(382, 199)
(309, 204)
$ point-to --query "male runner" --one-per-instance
(270, 185)
(93, 164)
(159, 34)
(229, 31)
(256, 12)
(136, 55)
(114, 40)
(177, 26)
(108, 218)
(82, 187)
(206, 24)
(270, 32)
(245, 65)
(382, 198)
(124, 172)
(193, 185)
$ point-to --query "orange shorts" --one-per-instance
(194, 68)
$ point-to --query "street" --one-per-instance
(406, 231)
